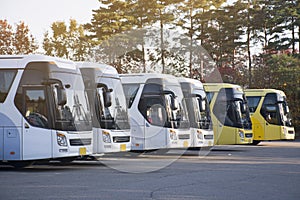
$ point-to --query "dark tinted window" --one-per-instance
(209, 96)
(270, 109)
(253, 103)
(130, 91)
(152, 105)
(6, 80)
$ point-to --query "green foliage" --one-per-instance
(110, 19)
(281, 72)
(67, 42)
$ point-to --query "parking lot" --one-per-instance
(270, 170)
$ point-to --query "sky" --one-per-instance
(38, 15)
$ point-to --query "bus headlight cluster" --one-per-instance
(241, 134)
(61, 139)
(106, 137)
(199, 135)
(173, 135)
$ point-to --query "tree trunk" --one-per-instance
(162, 43)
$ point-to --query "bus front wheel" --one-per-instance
(256, 142)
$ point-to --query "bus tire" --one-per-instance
(256, 142)
(20, 164)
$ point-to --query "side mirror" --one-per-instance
(271, 108)
(61, 96)
(286, 110)
(202, 105)
(243, 107)
(61, 92)
(174, 103)
(107, 98)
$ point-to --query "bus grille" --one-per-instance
(248, 135)
(119, 139)
(80, 142)
(208, 137)
(184, 136)
(290, 132)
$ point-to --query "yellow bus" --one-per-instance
(230, 113)
(270, 115)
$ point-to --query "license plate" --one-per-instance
(185, 143)
(82, 151)
(123, 147)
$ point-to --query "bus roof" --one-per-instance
(196, 83)
(262, 92)
(215, 87)
(20, 61)
(100, 69)
(143, 77)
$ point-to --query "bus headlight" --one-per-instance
(173, 135)
(61, 139)
(199, 135)
(106, 137)
(241, 134)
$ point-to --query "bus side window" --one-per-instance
(253, 102)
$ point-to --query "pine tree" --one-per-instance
(108, 22)
(194, 20)
(67, 41)
(144, 14)
(166, 15)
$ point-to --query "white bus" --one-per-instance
(108, 105)
(157, 111)
(198, 111)
(44, 112)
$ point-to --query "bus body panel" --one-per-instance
(1, 142)
(208, 138)
(184, 138)
(137, 133)
(155, 137)
(202, 137)
(36, 143)
(12, 141)
(101, 147)
(262, 129)
(138, 124)
(226, 134)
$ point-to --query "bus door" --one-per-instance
(272, 123)
(155, 132)
(224, 127)
(37, 135)
(1, 143)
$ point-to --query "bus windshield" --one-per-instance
(202, 119)
(74, 115)
(275, 110)
(115, 115)
(231, 108)
(177, 117)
